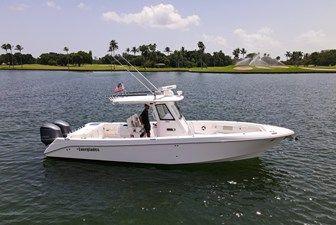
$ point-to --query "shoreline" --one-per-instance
(220, 70)
(180, 71)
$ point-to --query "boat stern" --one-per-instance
(57, 144)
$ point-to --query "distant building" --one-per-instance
(244, 62)
(160, 65)
(259, 61)
(271, 62)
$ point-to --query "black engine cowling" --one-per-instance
(49, 132)
(65, 127)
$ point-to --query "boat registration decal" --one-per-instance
(88, 149)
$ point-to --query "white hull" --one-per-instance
(171, 150)
(173, 139)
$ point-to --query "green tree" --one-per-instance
(66, 49)
(243, 52)
(178, 54)
(220, 59)
(77, 58)
(150, 57)
(167, 50)
(296, 58)
(183, 55)
(152, 47)
(81, 57)
(201, 49)
(134, 50)
(306, 59)
(19, 48)
(236, 53)
(144, 50)
(288, 55)
(201, 46)
(10, 47)
(112, 48)
(4, 47)
(128, 50)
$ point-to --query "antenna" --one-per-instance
(139, 73)
(135, 76)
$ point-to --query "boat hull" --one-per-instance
(154, 151)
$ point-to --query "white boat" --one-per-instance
(173, 139)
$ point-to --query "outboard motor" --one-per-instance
(65, 127)
(49, 132)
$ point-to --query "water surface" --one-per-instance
(292, 183)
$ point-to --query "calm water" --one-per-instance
(293, 183)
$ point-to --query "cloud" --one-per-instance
(19, 7)
(82, 6)
(157, 16)
(312, 37)
(52, 4)
(313, 40)
(263, 39)
(218, 40)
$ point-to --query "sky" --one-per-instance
(265, 26)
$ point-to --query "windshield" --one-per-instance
(163, 111)
(176, 110)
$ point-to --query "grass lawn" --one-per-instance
(225, 69)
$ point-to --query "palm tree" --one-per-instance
(182, 53)
(306, 60)
(236, 53)
(128, 50)
(19, 48)
(4, 47)
(201, 48)
(288, 55)
(278, 58)
(10, 47)
(167, 50)
(144, 50)
(134, 50)
(152, 47)
(243, 52)
(66, 49)
(179, 56)
(113, 46)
